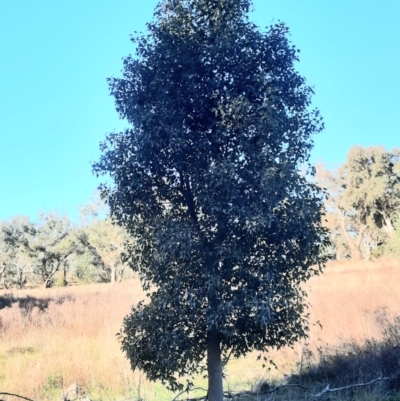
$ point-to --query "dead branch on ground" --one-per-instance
(327, 389)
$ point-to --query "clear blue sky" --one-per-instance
(54, 102)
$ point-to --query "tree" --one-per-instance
(392, 247)
(343, 223)
(206, 180)
(372, 187)
(364, 198)
(50, 246)
(14, 261)
(103, 240)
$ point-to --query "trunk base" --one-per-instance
(214, 368)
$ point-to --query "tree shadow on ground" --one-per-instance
(28, 302)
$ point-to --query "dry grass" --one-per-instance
(344, 298)
(343, 301)
(73, 339)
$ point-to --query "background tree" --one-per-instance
(103, 241)
(372, 188)
(52, 251)
(392, 246)
(50, 246)
(14, 262)
(343, 223)
(364, 198)
(207, 182)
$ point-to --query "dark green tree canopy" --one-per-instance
(207, 180)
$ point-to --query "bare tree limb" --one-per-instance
(193, 389)
(333, 390)
(226, 360)
(29, 399)
(326, 390)
(16, 395)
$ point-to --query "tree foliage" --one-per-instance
(15, 264)
(372, 187)
(206, 180)
(37, 251)
(50, 246)
(103, 242)
(346, 229)
(52, 250)
(364, 199)
(392, 246)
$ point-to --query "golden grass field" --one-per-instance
(74, 340)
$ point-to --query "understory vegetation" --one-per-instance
(367, 371)
(53, 338)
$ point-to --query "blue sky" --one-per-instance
(55, 107)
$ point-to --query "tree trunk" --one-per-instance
(354, 249)
(214, 368)
(113, 274)
(388, 226)
(120, 273)
(65, 282)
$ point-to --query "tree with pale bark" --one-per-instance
(51, 246)
(15, 263)
(102, 241)
(392, 246)
(364, 198)
(343, 224)
(372, 187)
(105, 243)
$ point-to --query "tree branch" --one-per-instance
(333, 390)
(55, 268)
(326, 390)
(188, 195)
(29, 399)
(16, 395)
(193, 389)
(226, 360)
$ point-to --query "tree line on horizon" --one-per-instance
(55, 252)
(362, 199)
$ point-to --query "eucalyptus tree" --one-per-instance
(372, 186)
(364, 198)
(345, 227)
(207, 180)
(14, 261)
(392, 246)
(102, 242)
(105, 244)
(51, 245)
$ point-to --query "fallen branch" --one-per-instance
(326, 390)
(16, 395)
(333, 390)
(29, 399)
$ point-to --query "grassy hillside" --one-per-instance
(52, 338)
